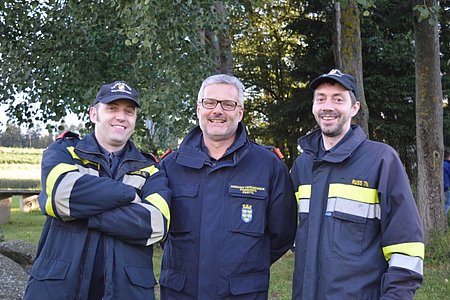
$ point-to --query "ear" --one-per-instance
(240, 113)
(93, 114)
(198, 110)
(355, 108)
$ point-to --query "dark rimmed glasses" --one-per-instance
(228, 105)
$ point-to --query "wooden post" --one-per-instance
(5, 210)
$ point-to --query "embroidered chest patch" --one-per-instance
(247, 213)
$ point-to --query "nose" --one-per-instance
(328, 105)
(218, 109)
(120, 115)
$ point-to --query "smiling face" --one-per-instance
(333, 111)
(114, 123)
(216, 123)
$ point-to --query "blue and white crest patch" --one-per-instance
(247, 213)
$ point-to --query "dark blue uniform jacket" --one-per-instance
(86, 208)
(359, 234)
(231, 219)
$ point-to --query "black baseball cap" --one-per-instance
(346, 80)
(115, 91)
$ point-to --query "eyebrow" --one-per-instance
(333, 95)
(115, 104)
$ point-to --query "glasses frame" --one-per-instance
(236, 104)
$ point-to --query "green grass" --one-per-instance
(25, 156)
(20, 168)
(27, 227)
(23, 226)
(32, 184)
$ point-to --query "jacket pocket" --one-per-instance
(49, 269)
(140, 276)
(182, 207)
(249, 283)
(172, 280)
(348, 235)
(248, 209)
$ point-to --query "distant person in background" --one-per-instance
(359, 234)
(106, 204)
(447, 179)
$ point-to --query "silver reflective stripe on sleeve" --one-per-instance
(87, 171)
(62, 195)
(157, 222)
(303, 206)
(412, 263)
(134, 180)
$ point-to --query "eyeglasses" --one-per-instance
(228, 105)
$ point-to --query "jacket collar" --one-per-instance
(310, 144)
(190, 153)
(89, 146)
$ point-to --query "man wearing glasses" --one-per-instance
(233, 212)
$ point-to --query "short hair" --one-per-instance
(222, 78)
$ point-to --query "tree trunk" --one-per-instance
(347, 52)
(429, 116)
(220, 42)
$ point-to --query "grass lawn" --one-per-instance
(27, 226)
(23, 226)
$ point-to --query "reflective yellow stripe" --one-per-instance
(159, 202)
(303, 191)
(353, 192)
(71, 150)
(411, 249)
(52, 177)
(151, 170)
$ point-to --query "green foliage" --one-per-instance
(263, 53)
(33, 138)
(366, 5)
(445, 65)
(389, 84)
(176, 43)
(26, 184)
(425, 12)
(55, 55)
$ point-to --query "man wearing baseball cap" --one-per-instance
(359, 234)
(106, 205)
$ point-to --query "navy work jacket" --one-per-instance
(231, 219)
(359, 234)
(85, 204)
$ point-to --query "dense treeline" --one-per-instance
(277, 47)
(13, 136)
(55, 54)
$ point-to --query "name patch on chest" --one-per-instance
(248, 190)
